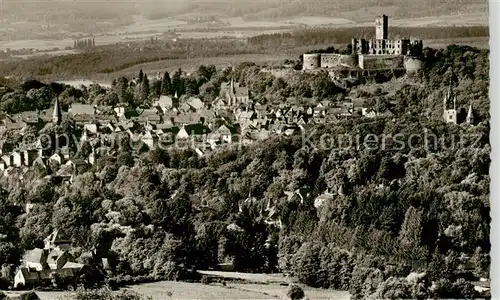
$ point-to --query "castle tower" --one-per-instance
(470, 116)
(56, 114)
(382, 27)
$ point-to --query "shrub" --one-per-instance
(295, 292)
(106, 294)
(393, 288)
(364, 281)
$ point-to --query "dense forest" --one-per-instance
(344, 35)
(402, 221)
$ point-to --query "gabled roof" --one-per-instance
(57, 237)
(225, 129)
(27, 275)
(39, 162)
(76, 162)
(147, 115)
(195, 103)
(186, 107)
(165, 101)
(72, 265)
(36, 255)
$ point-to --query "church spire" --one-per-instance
(450, 98)
(470, 116)
(56, 115)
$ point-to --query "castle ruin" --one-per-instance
(380, 53)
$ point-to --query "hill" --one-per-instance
(354, 10)
(360, 10)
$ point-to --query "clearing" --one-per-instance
(255, 286)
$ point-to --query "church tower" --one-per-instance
(56, 115)
(450, 106)
(470, 116)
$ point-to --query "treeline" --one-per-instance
(344, 35)
(112, 59)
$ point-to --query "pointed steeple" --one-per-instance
(175, 96)
(56, 114)
(449, 96)
(470, 116)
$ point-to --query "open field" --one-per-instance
(256, 286)
(189, 65)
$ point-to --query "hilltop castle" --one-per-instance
(380, 53)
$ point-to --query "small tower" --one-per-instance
(382, 27)
(470, 116)
(450, 106)
(56, 115)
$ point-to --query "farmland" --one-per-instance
(252, 286)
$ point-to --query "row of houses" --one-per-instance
(231, 118)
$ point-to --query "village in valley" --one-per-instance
(71, 138)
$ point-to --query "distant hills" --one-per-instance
(28, 19)
(357, 10)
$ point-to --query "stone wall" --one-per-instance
(332, 60)
(380, 62)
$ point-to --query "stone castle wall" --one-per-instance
(333, 60)
(381, 62)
